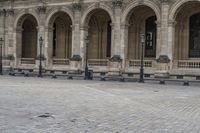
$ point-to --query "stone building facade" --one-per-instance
(112, 28)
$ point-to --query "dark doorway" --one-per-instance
(150, 47)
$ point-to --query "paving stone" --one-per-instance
(78, 106)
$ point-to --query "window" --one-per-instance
(150, 47)
(194, 44)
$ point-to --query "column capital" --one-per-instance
(125, 26)
(49, 29)
(84, 28)
(19, 30)
(158, 23)
(172, 23)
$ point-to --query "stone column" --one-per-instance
(163, 60)
(117, 49)
(75, 62)
(3, 27)
(49, 46)
(76, 29)
(158, 41)
(6, 28)
(171, 40)
(84, 34)
(124, 43)
(41, 10)
(2, 23)
(116, 45)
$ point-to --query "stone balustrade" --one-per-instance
(137, 63)
(188, 64)
(98, 62)
(27, 61)
(61, 61)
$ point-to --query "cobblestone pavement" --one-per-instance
(34, 105)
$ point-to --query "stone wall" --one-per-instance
(167, 12)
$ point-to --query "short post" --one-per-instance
(40, 65)
(142, 41)
(1, 62)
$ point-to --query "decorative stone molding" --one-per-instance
(76, 58)
(163, 59)
(41, 9)
(117, 3)
(158, 23)
(76, 4)
(9, 57)
(7, 12)
(116, 58)
(42, 57)
(164, 1)
(172, 23)
(125, 26)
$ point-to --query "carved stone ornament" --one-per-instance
(41, 9)
(6, 12)
(76, 5)
(117, 3)
(163, 59)
(116, 58)
(76, 58)
(9, 57)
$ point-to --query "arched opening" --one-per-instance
(141, 19)
(60, 38)
(187, 32)
(99, 32)
(27, 38)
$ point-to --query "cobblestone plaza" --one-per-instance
(113, 29)
(34, 105)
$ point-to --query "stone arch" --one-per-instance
(181, 13)
(88, 13)
(52, 13)
(140, 19)
(59, 36)
(127, 12)
(18, 20)
(26, 38)
(177, 6)
(99, 33)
